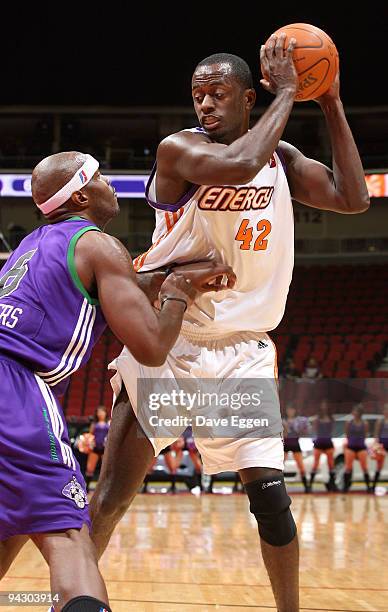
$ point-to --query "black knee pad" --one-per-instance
(270, 504)
(86, 604)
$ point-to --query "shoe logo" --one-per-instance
(73, 490)
(261, 344)
(273, 483)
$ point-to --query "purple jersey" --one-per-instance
(324, 429)
(100, 433)
(356, 436)
(48, 321)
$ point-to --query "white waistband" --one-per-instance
(193, 333)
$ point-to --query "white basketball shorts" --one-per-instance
(241, 355)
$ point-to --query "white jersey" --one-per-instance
(249, 227)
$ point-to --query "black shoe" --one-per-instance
(369, 489)
(312, 476)
(307, 488)
(347, 482)
(331, 484)
(375, 481)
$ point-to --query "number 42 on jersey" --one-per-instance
(245, 235)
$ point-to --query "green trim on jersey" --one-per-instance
(75, 218)
(71, 263)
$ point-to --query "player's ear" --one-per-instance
(250, 98)
(80, 199)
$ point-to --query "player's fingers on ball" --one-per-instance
(291, 45)
(265, 64)
(269, 47)
(280, 44)
(263, 55)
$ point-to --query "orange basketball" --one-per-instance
(315, 57)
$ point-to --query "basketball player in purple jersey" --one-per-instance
(225, 189)
(58, 290)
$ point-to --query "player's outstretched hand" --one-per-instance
(208, 275)
(185, 282)
(277, 65)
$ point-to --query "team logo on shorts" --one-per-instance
(74, 491)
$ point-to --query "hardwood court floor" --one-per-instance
(187, 554)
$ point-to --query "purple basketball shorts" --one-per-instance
(41, 485)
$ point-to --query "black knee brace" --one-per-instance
(86, 604)
(270, 505)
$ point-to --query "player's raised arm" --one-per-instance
(195, 159)
(104, 262)
(342, 189)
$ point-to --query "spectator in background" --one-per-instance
(323, 425)
(171, 465)
(380, 446)
(294, 427)
(290, 371)
(356, 430)
(186, 442)
(173, 458)
(311, 369)
(99, 429)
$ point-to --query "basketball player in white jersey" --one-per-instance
(225, 191)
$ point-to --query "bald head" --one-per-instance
(53, 172)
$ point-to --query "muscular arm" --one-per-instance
(342, 189)
(148, 336)
(193, 158)
(150, 283)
